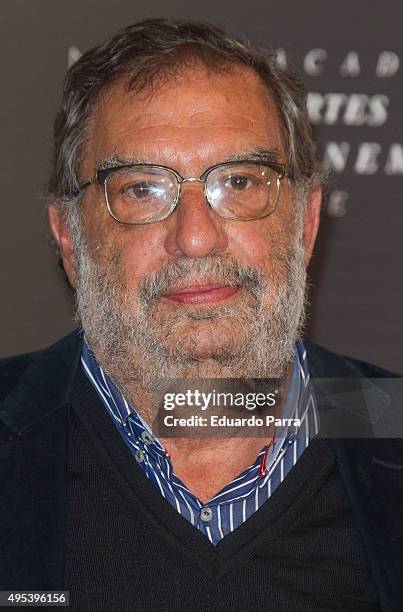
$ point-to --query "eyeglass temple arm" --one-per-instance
(84, 186)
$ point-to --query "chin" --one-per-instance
(208, 340)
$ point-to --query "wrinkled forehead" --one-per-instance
(198, 116)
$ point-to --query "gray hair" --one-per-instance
(156, 48)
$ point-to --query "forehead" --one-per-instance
(193, 120)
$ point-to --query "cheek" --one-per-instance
(130, 253)
(138, 253)
(256, 242)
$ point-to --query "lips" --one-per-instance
(202, 294)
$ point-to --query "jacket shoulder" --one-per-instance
(12, 369)
(32, 384)
(327, 363)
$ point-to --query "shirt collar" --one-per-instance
(120, 409)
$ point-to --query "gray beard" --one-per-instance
(135, 345)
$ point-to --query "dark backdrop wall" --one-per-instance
(350, 54)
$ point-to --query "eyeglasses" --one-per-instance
(138, 194)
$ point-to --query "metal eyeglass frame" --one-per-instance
(101, 176)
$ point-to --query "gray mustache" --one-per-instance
(192, 270)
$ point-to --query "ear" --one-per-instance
(61, 234)
(311, 222)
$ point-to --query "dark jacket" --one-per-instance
(35, 392)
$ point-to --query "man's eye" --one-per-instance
(238, 182)
(142, 189)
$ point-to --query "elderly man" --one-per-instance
(184, 202)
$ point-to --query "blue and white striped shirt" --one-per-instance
(244, 495)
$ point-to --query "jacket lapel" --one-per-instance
(371, 468)
(33, 449)
(372, 471)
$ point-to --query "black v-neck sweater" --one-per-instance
(128, 548)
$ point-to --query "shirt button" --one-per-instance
(206, 514)
(147, 439)
(139, 456)
(290, 438)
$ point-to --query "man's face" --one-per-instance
(195, 288)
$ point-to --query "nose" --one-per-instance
(194, 230)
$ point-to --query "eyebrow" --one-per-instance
(116, 160)
(257, 154)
